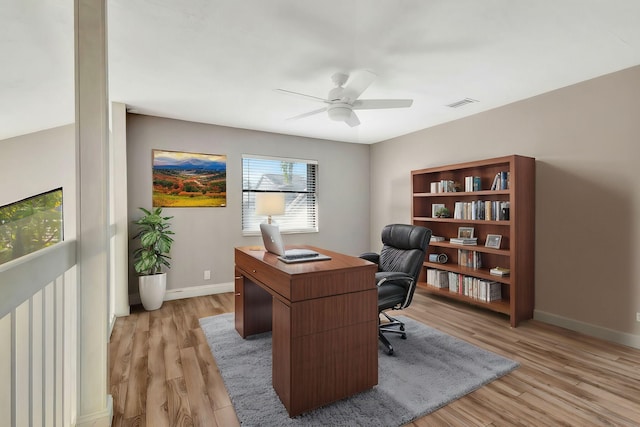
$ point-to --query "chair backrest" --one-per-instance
(404, 249)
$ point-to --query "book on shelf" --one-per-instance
(437, 278)
(499, 271)
(501, 181)
(437, 239)
(442, 186)
(469, 258)
(469, 286)
(464, 240)
(488, 210)
(472, 183)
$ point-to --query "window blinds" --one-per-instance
(295, 178)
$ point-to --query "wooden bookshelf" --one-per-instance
(517, 248)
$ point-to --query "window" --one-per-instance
(30, 224)
(293, 177)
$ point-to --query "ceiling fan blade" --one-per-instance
(358, 83)
(301, 95)
(353, 120)
(310, 113)
(374, 104)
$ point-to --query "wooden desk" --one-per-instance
(325, 320)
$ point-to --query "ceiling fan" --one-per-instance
(342, 100)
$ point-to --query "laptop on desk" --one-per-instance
(273, 243)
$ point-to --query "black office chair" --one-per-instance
(399, 264)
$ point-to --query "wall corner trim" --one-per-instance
(617, 337)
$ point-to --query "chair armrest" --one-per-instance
(371, 256)
(394, 278)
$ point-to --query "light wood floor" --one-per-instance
(162, 372)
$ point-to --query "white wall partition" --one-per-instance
(38, 338)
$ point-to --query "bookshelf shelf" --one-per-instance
(463, 193)
(468, 271)
(461, 221)
(503, 204)
(500, 306)
(477, 248)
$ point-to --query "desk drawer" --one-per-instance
(264, 274)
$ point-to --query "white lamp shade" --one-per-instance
(270, 204)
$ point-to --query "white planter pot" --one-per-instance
(152, 289)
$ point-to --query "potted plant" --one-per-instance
(155, 244)
(443, 213)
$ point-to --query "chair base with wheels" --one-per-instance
(388, 327)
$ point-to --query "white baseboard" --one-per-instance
(190, 292)
(112, 322)
(198, 291)
(98, 419)
(618, 337)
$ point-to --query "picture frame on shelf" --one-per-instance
(465, 232)
(493, 241)
(437, 209)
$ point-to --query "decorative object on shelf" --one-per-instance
(500, 271)
(440, 211)
(465, 232)
(504, 210)
(493, 241)
(155, 245)
(436, 239)
(189, 179)
(270, 204)
(464, 241)
(439, 258)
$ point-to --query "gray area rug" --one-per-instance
(428, 370)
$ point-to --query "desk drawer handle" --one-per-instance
(253, 271)
(238, 294)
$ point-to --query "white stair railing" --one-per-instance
(38, 338)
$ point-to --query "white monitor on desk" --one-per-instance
(273, 243)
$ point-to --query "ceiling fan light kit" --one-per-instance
(339, 112)
(342, 100)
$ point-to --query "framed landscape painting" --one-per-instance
(189, 179)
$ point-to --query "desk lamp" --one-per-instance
(269, 204)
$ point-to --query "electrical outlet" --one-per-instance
(638, 317)
(207, 274)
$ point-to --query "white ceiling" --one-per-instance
(218, 61)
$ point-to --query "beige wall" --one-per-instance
(205, 237)
(586, 139)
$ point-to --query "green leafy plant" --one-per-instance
(155, 243)
(443, 213)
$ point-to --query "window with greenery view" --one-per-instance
(30, 224)
(295, 178)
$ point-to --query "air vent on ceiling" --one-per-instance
(462, 102)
